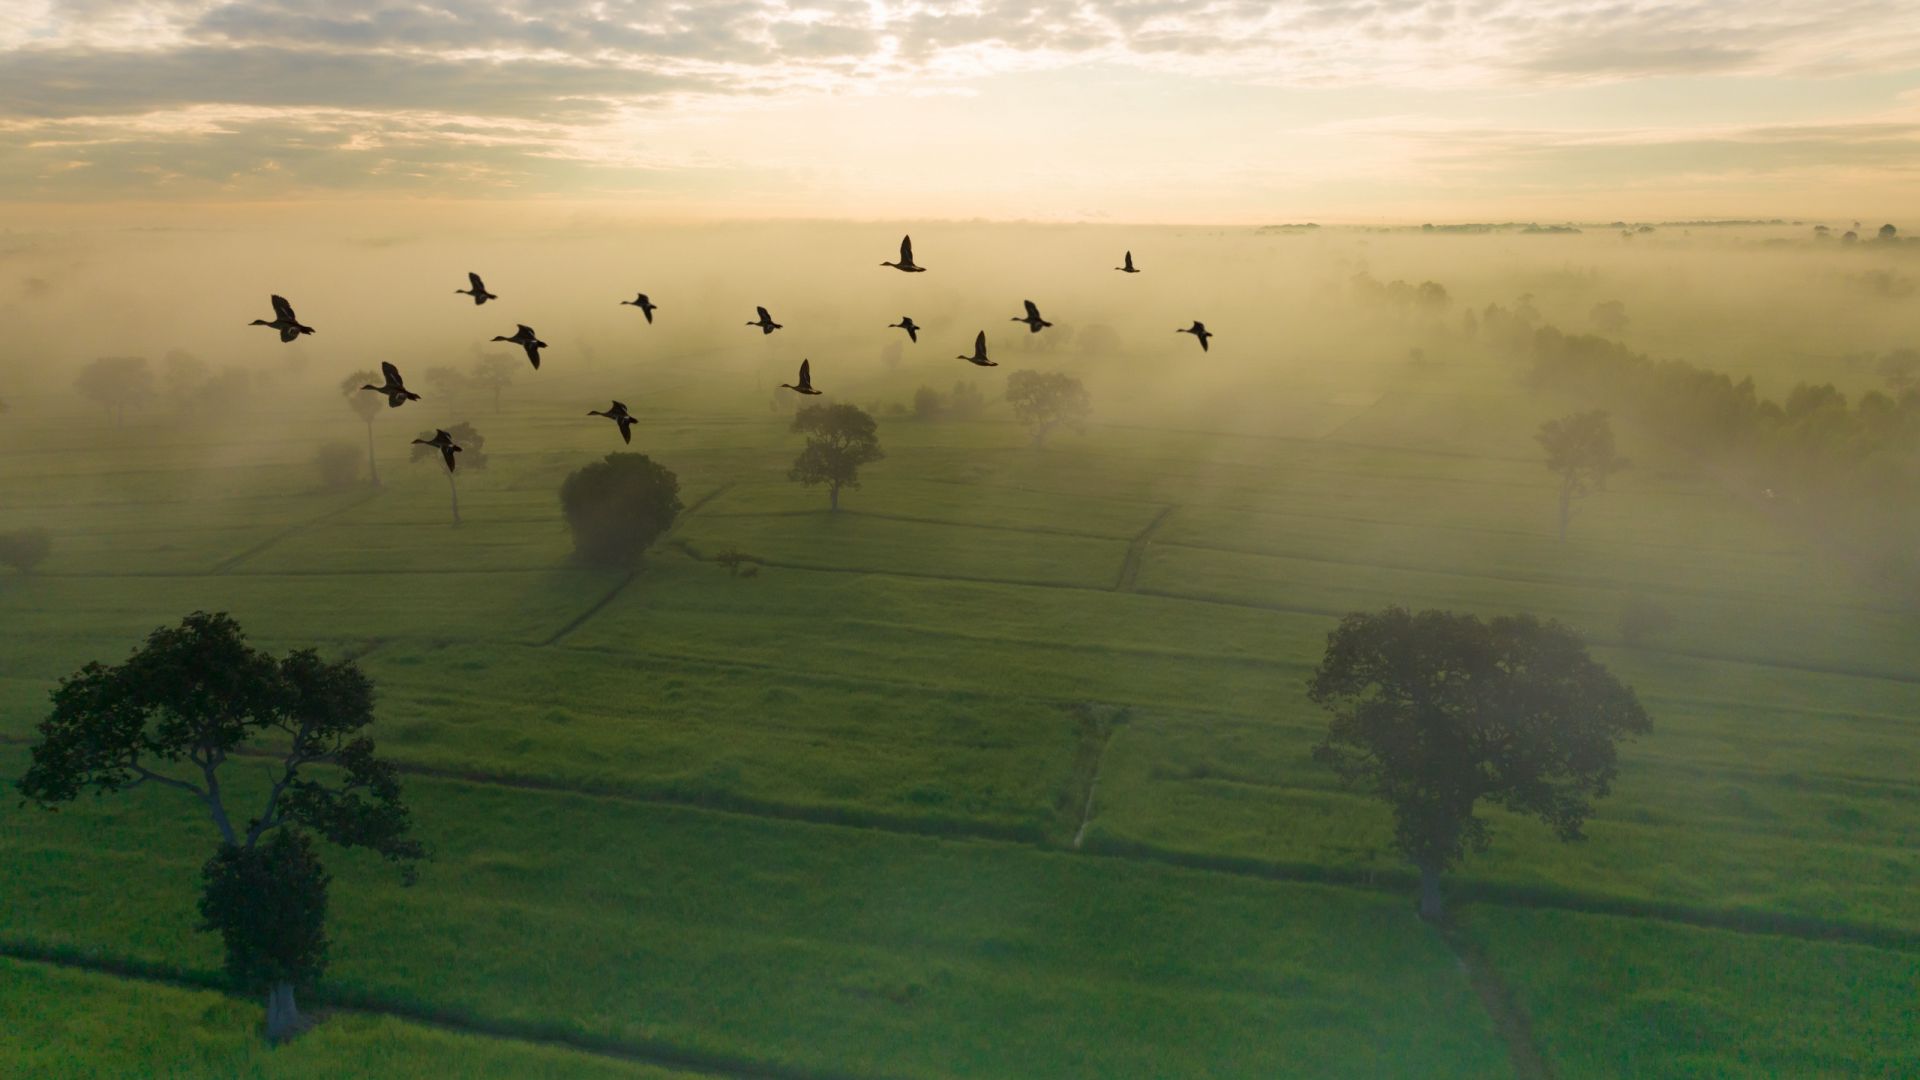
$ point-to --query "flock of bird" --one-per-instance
(394, 389)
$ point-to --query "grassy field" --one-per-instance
(835, 819)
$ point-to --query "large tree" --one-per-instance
(1044, 400)
(190, 700)
(618, 507)
(366, 405)
(470, 459)
(116, 383)
(840, 439)
(1580, 450)
(1435, 712)
(494, 373)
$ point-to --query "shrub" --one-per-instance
(618, 507)
(24, 549)
(339, 464)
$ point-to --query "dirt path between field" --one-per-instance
(1510, 1020)
(1137, 551)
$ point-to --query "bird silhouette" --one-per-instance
(444, 443)
(906, 323)
(645, 305)
(806, 380)
(395, 389)
(979, 352)
(1033, 320)
(906, 263)
(478, 292)
(283, 321)
(1128, 268)
(765, 322)
(524, 337)
(619, 415)
(1199, 330)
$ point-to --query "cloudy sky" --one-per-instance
(1123, 110)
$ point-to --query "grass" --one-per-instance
(67, 1024)
(1613, 997)
(806, 946)
(914, 664)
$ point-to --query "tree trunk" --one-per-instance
(1431, 908)
(373, 470)
(455, 488)
(1566, 505)
(833, 498)
(283, 1016)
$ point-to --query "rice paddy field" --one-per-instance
(1002, 771)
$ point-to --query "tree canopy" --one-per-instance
(840, 439)
(116, 383)
(1580, 450)
(1044, 400)
(1435, 712)
(618, 507)
(178, 709)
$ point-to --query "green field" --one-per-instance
(834, 820)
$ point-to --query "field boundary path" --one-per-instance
(227, 565)
(1137, 550)
(1488, 893)
(599, 605)
(1510, 1020)
(643, 1052)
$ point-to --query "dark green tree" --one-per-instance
(1580, 449)
(269, 905)
(618, 507)
(193, 698)
(1435, 712)
(472, 458)
(840, 439)
(1044, 400)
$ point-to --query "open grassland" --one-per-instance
(841, 818)
(66, 1024)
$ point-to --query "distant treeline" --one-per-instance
(1851, 468)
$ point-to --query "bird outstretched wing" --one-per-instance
(392, 373)
(764, 317)
(806, 373)
(980, 343)
(906, 249)
(282, 308)
(473, 279)
(523, 330)
(1032, 312)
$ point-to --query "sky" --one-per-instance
(1172, 111)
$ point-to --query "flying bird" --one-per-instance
(645, 305)
(619, 415)
(906, 323)
(806, 380)
(478, 292)
(906, 258)
(444, 443)
(524, 337)
(979, 352)
(283, 321)
(1033, 320)
(395, 388)
(765, 322)
(1128, 268)
(1199, 330)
